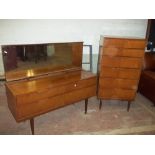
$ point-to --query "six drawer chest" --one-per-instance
(119, 68)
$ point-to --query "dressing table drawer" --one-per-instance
(35, 96)
(53, 91)
(44, 105)
(80, 84)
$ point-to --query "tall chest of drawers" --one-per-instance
(119, 67)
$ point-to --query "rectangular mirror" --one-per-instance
(24, 61)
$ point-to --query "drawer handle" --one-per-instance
(75, 85)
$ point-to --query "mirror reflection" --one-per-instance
(23, 57)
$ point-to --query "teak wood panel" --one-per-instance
(123, 52)
(121, 62)
(108, 72)
(44, 105)
(118, 83)
(116, 93)
(124, 43)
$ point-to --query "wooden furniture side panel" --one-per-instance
(121, 62)
(108, 72)
(77, 50)
(27, 111)
(11, 99)
(147, 85)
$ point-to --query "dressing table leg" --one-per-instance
(128, 107)
(86, 103)
(100, 106)
(32, 125)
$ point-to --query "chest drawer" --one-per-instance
(108, 72)
(54, 91)
(112, 52)
(121, 62)
(124, 43)
(118, 83)
(115, 93)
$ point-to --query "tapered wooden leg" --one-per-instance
(128, 107)
(100, 106)
(86, 103)
(32, 125)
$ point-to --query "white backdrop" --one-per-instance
(63, 30)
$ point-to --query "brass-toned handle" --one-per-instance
(75, 85)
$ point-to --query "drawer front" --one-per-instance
(121, 94)
(42, 106)
(108, 72)
(80, 84)
(49, 92)
(35, 96)
(118, 83)
(139, 44)
(124, 43)
(113, 42)
(123, 52)
(81, 94)
(36, 108)
(11, 100)
(120, 62)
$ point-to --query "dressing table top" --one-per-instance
(40, 84)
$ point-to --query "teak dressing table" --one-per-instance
(53, 80)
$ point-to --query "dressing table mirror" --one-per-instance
(44, 77)
(25, 61)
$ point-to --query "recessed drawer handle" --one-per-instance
(75, 85)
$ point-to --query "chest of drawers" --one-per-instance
(120, 63)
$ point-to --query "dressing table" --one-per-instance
(34, 88)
